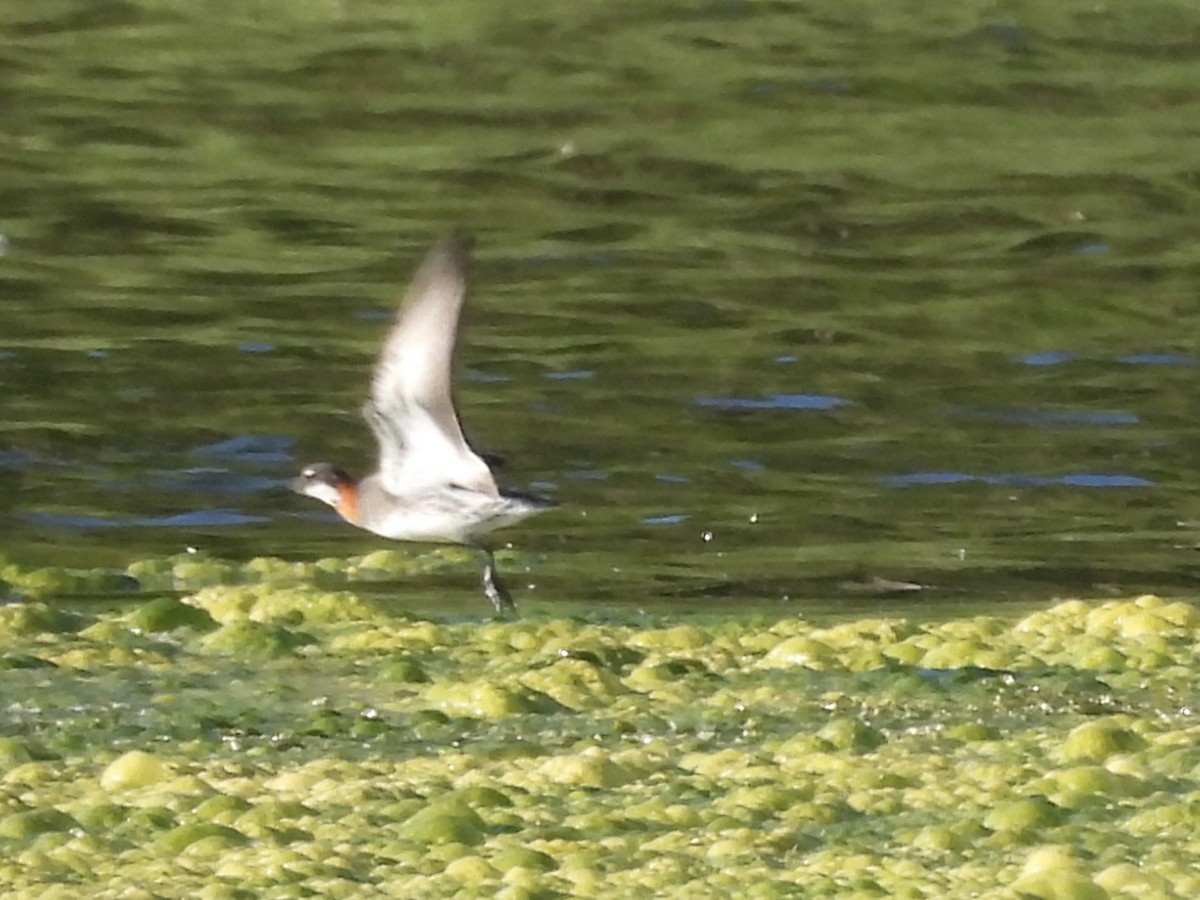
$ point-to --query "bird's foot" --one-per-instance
(496, 591)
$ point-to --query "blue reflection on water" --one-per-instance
(1057, 357)
(198, 518)
(374, 315)
(1047, 358)
(251, 448)
(1077, 479)
(1160, 359)
(1048, 417)
(16, 459)
(588, 475)
(571, 375)
(749, 465)
(214, 481)
(484, 377)
(775, 401)
(1086, 479)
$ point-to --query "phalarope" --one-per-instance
(431, 485)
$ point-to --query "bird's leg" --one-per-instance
(494, 587)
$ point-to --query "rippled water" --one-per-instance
(839, 304)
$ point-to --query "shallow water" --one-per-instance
(845, 306)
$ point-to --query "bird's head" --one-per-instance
(331, 485)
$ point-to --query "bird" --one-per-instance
(431, 485)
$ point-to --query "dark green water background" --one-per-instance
(862, 292)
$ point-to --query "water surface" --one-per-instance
(831, 305)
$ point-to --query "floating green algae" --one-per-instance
(133, 769)
(168, 614)
(302, 746)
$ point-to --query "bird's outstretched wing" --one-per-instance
(411, 409)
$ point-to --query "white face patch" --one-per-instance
(326, 493)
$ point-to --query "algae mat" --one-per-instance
(277, 730)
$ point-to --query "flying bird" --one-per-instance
(431, 485)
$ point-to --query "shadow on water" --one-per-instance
(776, 325)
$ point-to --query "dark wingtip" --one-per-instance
(458, 243)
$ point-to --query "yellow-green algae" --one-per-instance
(267, 731)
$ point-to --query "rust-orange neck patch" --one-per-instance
(347, 505)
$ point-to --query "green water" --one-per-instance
(682, 210)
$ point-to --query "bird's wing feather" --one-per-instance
(411, 410)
